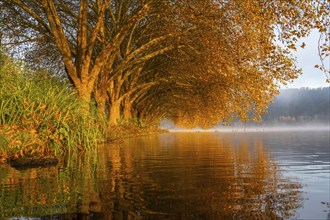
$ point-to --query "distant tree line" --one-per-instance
(299, 106)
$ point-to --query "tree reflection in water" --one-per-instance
(171, 176)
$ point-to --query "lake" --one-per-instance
(196, 175)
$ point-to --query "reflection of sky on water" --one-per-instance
(305, 156)
(316, 185)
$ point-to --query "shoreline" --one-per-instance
(117, 136)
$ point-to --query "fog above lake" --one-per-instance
(293, 109)
(254, 129)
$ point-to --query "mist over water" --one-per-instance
(254, 129)
(292, 110)
(296, 133)
(251, 127)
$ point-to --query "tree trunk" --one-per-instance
(85, 97)
(114, 113)
(141, 114)
(127, 110)
(101, 100)
(101, 107)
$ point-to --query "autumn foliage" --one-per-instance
(196, 62)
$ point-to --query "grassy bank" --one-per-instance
(41, 115)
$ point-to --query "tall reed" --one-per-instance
(41, 115)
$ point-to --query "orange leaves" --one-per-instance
(3, 158)
(17, 141)
(303, 45)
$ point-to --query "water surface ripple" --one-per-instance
(266, 175)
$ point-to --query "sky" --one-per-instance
(307, 59)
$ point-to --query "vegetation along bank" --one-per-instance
(80, 68)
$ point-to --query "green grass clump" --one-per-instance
(40, 115)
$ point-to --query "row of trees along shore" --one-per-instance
(195, 62)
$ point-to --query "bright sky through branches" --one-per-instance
(307, 59)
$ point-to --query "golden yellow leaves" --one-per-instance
(20, 141)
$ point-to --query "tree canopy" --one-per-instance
(196, 62)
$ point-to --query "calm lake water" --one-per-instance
(266, 175)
